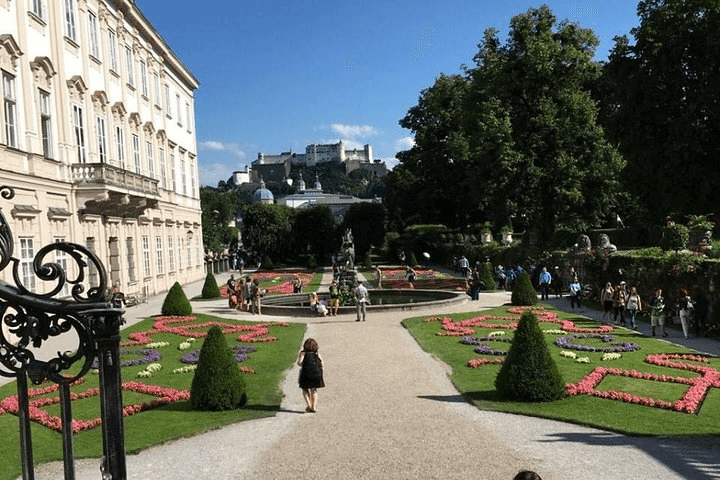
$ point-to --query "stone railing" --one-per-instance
(102, 173)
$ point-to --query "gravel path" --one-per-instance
(389, 411)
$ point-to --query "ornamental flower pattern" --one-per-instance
(613, 347)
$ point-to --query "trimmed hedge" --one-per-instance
(210, 288)
(176, 303)
(218, 383)
(529, 373)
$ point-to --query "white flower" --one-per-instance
(583, 360)
(568, 354)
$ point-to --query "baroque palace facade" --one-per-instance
(97, 137)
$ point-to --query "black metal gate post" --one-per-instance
(29, 319)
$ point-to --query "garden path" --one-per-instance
(390, 412)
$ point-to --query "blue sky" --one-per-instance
(277, 76)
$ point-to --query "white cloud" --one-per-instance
(233, 148)
(353, 131)
(211, 174)
(405, 143)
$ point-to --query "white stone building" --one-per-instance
(97, 137)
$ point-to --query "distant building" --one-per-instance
(310, 197)
(277, 167)
(242, 176)
(263, 195)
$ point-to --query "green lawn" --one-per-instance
(477, 384)
(165, 423)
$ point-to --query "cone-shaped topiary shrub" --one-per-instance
(367, 261)
(411, 260)
(176, 303)
(523, 292)
(486, 276)
(210, 288)
(267, 263)
(529, 373)
(218, 383)
(311, 263)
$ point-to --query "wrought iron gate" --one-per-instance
(28, 320)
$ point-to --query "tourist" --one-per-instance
(633, 305)
(256, 296)
(241, 265)
(239, 293)
(297, 284)
(619, 301)
(316, 306)
(476, 284)
(378, 276)
(247, 292)
(527, 475)
(545, 280)
(334, 297)
(464, 267)
(657, 313)
(557, 282)
(361, 299)
(410, 272)
(575, 292)
(311, 373)
(606, 297)
(685, 307)
(231, 283)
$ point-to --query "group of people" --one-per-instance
(245, 294)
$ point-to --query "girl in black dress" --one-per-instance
(311, 373)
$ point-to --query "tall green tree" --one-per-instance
(367, 223)
(267, 230)
(314, 232)
(662, 106)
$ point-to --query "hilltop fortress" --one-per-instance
(277, 167)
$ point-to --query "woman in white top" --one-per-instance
(633, 305)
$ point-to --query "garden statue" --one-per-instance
(583, 245)
(604, 244)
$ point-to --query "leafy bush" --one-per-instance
(411, 260)
(675, 238)
(210, 288)
(218, 383)
(523, 292)
(267, 263)
(176, 303)
(367, 260)
(529, 373)
(486, 276)
(311, 263)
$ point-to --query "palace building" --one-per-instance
(97, 138)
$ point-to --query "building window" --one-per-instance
(171, 253)
(189, 253)
(180, 252)
(102, 142)
(129, 66)
(120, 145)
(37, 8)
(163, 173)
(46, 124)
(150, 162)
(10, 107)
(156, 88)
(183, 176)
(143, 78)
(168, 106)
(27, 253)
(70, 20)
(188, 116)
(172, 172)
(93, 35)
(177, 103)
(192, 178)
(146, 255)
(112, 50)
(79, 129)
(61, 259)
(159, 254)
(136, 153)
(198, 249)
(131, 259)
(93, 274)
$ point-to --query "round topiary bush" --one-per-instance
(529, 373)
(675, 238)
(210, 288)
(486, 276)
(218, 383)
(523, 292)
(176, 303)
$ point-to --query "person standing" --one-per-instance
(361, 298)
(378, 276)
(297, 284)
(619, 301)
(256, 297)
(311, 373)
(557, 282)
(575, 292)
(657, 312)
(334, 297)
(606, 297)
(545, 280)
(634, 305)
(464, 265)
(685, 308)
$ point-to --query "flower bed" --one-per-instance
(569, 342)
(425, 278)
(281, 281)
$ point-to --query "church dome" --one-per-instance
(262, 194)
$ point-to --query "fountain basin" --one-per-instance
(298, 304)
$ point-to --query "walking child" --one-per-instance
(311, 373)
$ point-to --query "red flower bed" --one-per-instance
(283, 279)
